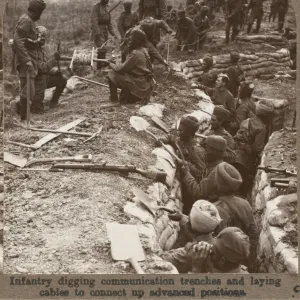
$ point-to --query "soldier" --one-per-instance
(202, 25)
(150, 27)
(250, 140)
(282, 6)
(205, 78)
(186, 32)
(219, 117)
(233, 14)
(47, 76)
(101, 26)
(225, 255)
(220, 94)
(215, 147)
(152, 51)
(172, 17)
(127, 19)
(25, 45)
(135, 76)
(198, 226)
(273, 10)
(235, 74)
(257, 13)
(244, 14)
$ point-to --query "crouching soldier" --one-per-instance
(135, 76)
(186, 32)
(47, 76)
(198, 226)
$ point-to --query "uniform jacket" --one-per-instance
(236, 76)
(245, 110)
(127, 21)
(101, 20)
(186, 30)
(201, 23)
(24, 50)
(153, 8)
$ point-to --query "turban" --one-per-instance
(41, 30)
(36, 5)
(233, 244)
(127, 3)
(191, 123)
(221, 113)
(228, 178)
(216, 142)
(204, 216)
(264, 108)
(234, 56)
(138, 35)
(181, 12)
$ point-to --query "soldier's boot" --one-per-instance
(249, 28)
(113, 91)
(58, 91)
(23, 108)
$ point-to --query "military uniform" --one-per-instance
(235, 75)
(186, 33)
(282, 6)
(229, 156)
(245, 110)
(134, 78)
(25, 51)
(205, 188)
(233, 14)
(47, 77)
(273, 10)
(257, 13)
(202, 25)
(101, 26)
(127, 21)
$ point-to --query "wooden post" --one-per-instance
(92, 59)
(72, 61)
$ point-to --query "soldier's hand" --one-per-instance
(200, 257)
(177, 216)
(56, 56)
(29, 67)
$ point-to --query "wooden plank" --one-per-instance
(52, 136)
(63, 131)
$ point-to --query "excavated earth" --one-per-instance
(55, 222)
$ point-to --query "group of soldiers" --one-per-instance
(219, 231)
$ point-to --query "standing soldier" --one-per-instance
(202, 25)
(26, 51)
(282, 6)
(127, 19)
(101, 25)
(235, 74)
(172, 17)
(257, 13)
(273, 10)
(186, 32)
(244, 14)
(233, 14)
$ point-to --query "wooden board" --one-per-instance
(125, 242)
(52, 136)
(14, 159)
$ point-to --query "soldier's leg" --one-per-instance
(40, 84)
(258, 22)
(59, 82)
(227, 31)
(250, 23)
(113, 91)
(23, 96)
(235, 30)
(281, 17)
(101, 50)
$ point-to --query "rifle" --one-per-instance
(123, 169)
(115, 6)
(276, 170)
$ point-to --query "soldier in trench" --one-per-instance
(101, 25)
(225, 254)
(25, 56)
(250, 140)
(197, 226)
(206, 78)
(135, 76)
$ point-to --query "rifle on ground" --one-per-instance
(122, 169)
(276, 170)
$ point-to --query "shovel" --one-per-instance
(148, 203)
(126, 244)
(140, 124)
